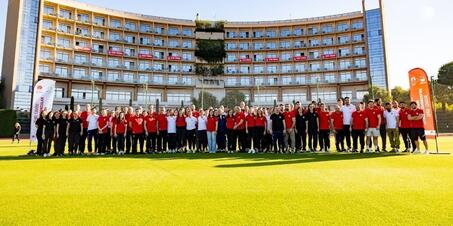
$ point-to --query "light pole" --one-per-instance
(92, 89)
(145, 87)
(202, 91)
(317, 89)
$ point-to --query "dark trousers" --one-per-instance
(191, 139)
(92, 134)
(301, 139)
(202, 140)
(242, 137)
(120, 141)
(74, 143)
(339, 139)
(82, 140)
(312, 139)
(102, 142)
(267, 141)
(172, 141)
(108, 140)
(405, 133)
(383, 133)
(358, 135)
(114, 144)
(151, 140)
(162, 141)
(16, 136)
(221, 140)
(48, 143)
(128, 141)
(258, 138)
(249, 138)
(60, 144)
(181, 137)
(347, 135)
(138, 138)
(40, 147)
(231, 136)
(324, 139)
(278, 140)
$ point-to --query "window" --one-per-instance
(342, 27)
(285, 33)
(85, 94)
(300, 79)
(64, 42)
(61, 71)
(143, 79)
(48, 10)
(62, 57)
(46, 24)
(80, 59)
(99, 21)
(258, 45)
(178, 97)
(231, 34)
(230, 81)
(187, 32)
(346, 93)
(272, 69)
(357, 37)
(259, 81)
(59, 92)
(344, 52)
(173, 43)
(286, 80)
(243, 45)
(345, 64)
(357, 25)
(361, 75)
(346, 76)
(186, 80)
(265, 98)
(258, 69)
(145, 28)
(300, 67)
(113, 76)
(187, 44)
(99, 61)
(290, 97)
(128, 77)
(158, 79)
(327, 29)
(118, 95)
(130, 26)
(271, 34)
(44, 68)
(150, 97)
(270, 45)
(360, 94)
(245, 81)
(360, 62)
(329, 78)
(324, 96)
(115, 23)
(65, 14)
(286, 68)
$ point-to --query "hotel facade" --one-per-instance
(120, 57)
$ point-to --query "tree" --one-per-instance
(378, 93)
(209, 100)
(445, 75)
(400, 94)
(2, 89)
(232, 99)
(443, 94)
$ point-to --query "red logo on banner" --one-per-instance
(115, 53)
(173, 58)
(420, 92)
(329, 56)
(245, 60)
(272, 59)
(300, 58)
(145, 56)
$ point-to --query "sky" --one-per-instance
(418, 32)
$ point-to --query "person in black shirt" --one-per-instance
(312, 127)
(74, 132)
(301, 130)
(40, 125)
(49, 132)
(17, 129)
(277, 128)
(62, 123)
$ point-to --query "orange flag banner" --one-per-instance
(420, 92)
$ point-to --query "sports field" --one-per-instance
(221, 189)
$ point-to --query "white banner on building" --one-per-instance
(43, 95)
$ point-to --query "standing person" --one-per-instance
(202, 139)
(338, 128)
(250, 131)
(108, 135)
(301, 130)
(312, 128)
(382, 129)
(102, 132)
(171, 131)
(129, 118)
(92, 131)
(231, 134)
(84, 118)
(391, 117)
(267, 139)
(119, 131)
(324, 128)
(181, 130)
(290, 135)
(347, 110)
(17, 129)
(40, 135)
(260, 130)
(150, 126)
(162, 127)
(373, 120)
(415, 117)
(277, 128)
(221, 130)
(191, 127)
(74, 132)
(211, 127)
(405, 126)
(358, 128)
(137, 132)
(49, 132)
(62, 124)
(239, 127)
(112, 120)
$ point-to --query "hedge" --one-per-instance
(7, 120)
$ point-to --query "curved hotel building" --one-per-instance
(121, 57)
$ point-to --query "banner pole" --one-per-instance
(433, 81)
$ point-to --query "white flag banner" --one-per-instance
(43, 95)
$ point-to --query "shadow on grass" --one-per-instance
(253, 160)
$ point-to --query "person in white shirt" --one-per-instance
(202, 136)
(171, 131)
(347, 110)
(92, 120)
(191, 127)
(391, 116)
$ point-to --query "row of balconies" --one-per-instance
(294, 58)
(288, 34)
(232, 72)
(295, 46)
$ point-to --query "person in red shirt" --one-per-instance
(119, 131)
(138, 131)
(83, 117)
(260, 130)
(337, 124)
(211, 127)
(373, 121)
(250, 130)
(129, 116)
(150, 125)
(231, 134)
(181, 130)
(358, 128)
(405, 126)
(382, 128)
(162, 130)
(324, 128)
(415, 117)
(102, 132)
(290, 135)
(239, 127)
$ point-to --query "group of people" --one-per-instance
(288, 128)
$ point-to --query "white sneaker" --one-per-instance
(416, 151)
(426, 152)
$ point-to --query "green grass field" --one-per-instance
(221, 189)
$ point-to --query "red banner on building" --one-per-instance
(175, 58)
(115, 53)
(300, 58)
(272, 59)
(84, 49)
(145, 56)
(329, 56)
(245, 60)
(420, 92)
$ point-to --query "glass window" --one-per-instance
(290, 97)
(118, 95)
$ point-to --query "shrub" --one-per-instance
(8, 119)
